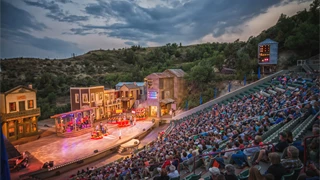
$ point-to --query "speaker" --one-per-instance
(51, 163)
(95, 151)
(45, 165)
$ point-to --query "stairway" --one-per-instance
(306, 68)
(121, 149)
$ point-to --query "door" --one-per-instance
(22, 105)
(124, 104)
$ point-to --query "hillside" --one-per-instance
(298, 38)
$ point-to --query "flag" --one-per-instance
(187, 105)
(229, 88)
(200, 99)
(215, 92)
(245, 80)
(5, 171)
(259, 72)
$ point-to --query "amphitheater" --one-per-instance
(286, 101)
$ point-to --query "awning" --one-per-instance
(167, 101)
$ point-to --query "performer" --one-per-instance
(101, 126)
(131, 120)
(120, 134)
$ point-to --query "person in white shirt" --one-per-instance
(228, 154)
(173, 172)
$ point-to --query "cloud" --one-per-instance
(17, 19)
(17, 26)
(56, 12)
(130, 43)
(257, 24)
(64, 1)
(45, 43)
(176, 21)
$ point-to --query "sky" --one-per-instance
(59, 28)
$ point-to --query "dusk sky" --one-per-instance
(58, 28)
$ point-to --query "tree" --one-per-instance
(200, 74)
(52, 98)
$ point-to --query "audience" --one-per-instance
(214, 173)
(276, 168)
(292, 160)
(173, 172)
(237, 125)
(230, 172)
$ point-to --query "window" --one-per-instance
(127, 93)
(100, 96)
(131, 93)
(30, 104)
(27, 127)
(140, 92)
(137, 93)
(34, 127)
(20, 129)
(76, 97)
(160, 83)
(11, 132)
(85, 98)
(12, 106)
(162, 94)
(92, 97)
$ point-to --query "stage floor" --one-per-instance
(62, 150)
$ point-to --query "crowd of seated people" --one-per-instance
(241, 123)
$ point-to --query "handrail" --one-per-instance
(214, 153)
(305, 148)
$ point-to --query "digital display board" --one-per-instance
(264, 53)
(152, 95)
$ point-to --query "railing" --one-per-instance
(227, 96)
(20, 114)
(216, 153)
(305, 147)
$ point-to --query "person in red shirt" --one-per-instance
(167, 162)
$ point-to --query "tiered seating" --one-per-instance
(189, 123)
(273, 137)
(302, 128)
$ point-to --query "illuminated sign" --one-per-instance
(152, 95)
(118, 111)
(264, 53)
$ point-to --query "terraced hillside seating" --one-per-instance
(273, 137)
(302, 128)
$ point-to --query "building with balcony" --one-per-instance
(165, 91)
(129, 93)
(84, 97)
(19, 112)
(143, 91)
(112, 102)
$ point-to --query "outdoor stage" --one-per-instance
(63, 150)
